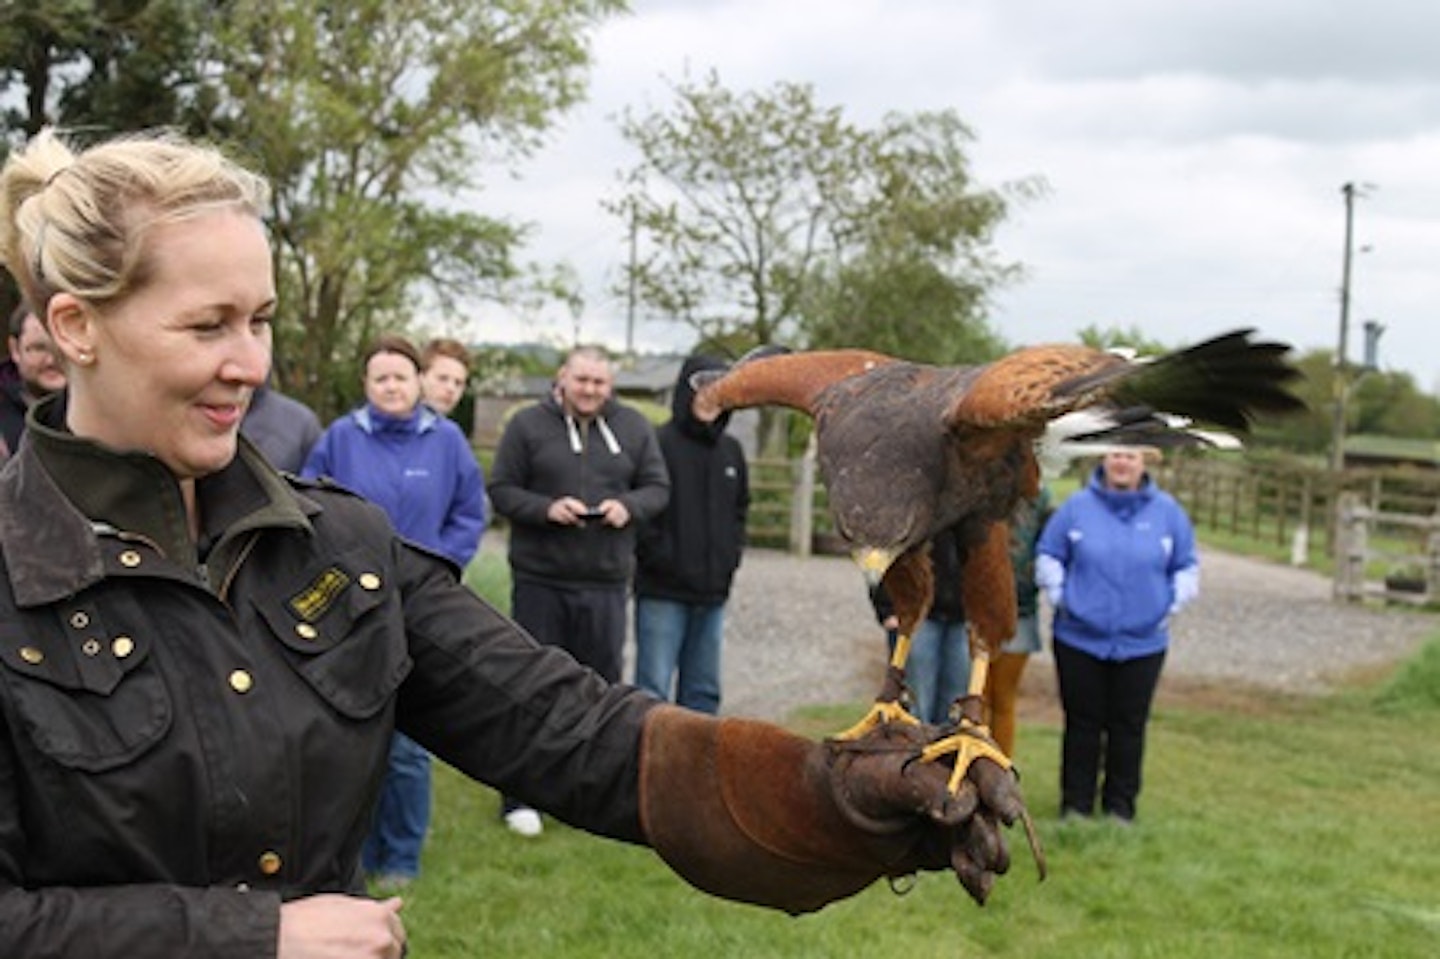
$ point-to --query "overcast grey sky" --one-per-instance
(1195, 152)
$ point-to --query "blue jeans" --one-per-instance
(403, 813)
(938, 670)
(679, 643)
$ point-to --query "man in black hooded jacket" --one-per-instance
(687, 556)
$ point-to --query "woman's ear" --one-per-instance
(72, 327)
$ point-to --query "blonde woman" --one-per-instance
(202, 661)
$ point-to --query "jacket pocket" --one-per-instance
(343, 633)
(89, 699)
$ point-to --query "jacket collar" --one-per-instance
(61, 493)
(372, 421)
(1122, 502)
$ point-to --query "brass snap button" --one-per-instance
(306, 631)
(122, 646)
(269, 862)
(130, 559)
(369, 582)
(241, 681)
(32, 655)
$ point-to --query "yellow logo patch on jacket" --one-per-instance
(313, 602)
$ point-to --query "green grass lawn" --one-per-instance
(1289, 827)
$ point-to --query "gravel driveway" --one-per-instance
(800, 631)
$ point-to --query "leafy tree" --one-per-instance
(95, 67)
(370, 118)
(1390, 404)
(1385, 404)
(767, 217)
(36, 40)
(366, 115)
(103, 66)
(1122, 338)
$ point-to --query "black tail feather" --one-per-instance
(1226, 381)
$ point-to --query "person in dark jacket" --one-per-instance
(282, 428)
(687, 556)
(31, 372)
(574, 474)
(937, 671)
(202, 661)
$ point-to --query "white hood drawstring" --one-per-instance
(577, 447)
(610, 440)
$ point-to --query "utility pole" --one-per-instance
(630, 297)
(1342, 366)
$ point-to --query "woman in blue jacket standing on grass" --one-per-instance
(417, 466)
(1116, 561)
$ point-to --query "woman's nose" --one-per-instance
(249, 363)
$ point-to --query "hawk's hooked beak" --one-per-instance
(873, 563)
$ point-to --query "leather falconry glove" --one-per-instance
(750, 812)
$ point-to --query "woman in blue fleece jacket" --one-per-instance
(416, 465)
(1116, 561)
(405, 458)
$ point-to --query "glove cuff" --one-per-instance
(746, 810)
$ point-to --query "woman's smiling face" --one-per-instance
(171, 368)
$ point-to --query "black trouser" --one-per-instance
(1107, 707)
(589, 624)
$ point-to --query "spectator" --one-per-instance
(1002, 683)
(202, 660)
(418, 467)
(687, 556)
(281, 427)
(32, 372)
(1117, 561)
(444, 374)
(574, 473)
(937, 671)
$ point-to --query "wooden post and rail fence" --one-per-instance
(1378, 529)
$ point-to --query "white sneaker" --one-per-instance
(524, 821)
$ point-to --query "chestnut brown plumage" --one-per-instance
(906, 450)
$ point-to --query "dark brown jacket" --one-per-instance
(186, 740)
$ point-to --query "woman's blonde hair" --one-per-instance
(74, 221)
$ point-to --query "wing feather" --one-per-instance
(1225, 381)
(791, 379)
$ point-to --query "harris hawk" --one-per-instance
(907, 449)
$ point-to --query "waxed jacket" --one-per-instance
(190, 734)
(545, 454)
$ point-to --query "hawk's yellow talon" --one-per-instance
(879, 714)
(969, 743)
